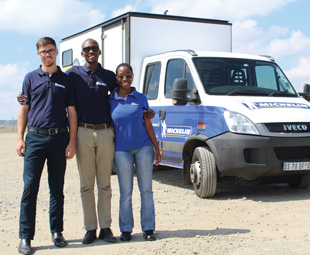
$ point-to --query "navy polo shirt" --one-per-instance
(128, 122)
(92, 93)
(48, 98)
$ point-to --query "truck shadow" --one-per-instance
(187, 233)
(235, 188)
(232, 188)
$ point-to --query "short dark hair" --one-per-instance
(123, 64)
(90, 39)
(45, 41)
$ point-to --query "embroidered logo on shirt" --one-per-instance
(134, 103)
(101, 83)
(59, 85)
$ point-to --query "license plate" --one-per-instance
(296, 166)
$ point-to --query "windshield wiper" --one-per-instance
(281, 93)
(246, 92)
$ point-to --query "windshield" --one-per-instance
(227, 76)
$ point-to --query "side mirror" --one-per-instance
(180, 91)
(306, 88)
(306, 93)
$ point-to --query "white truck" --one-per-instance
(217, 113)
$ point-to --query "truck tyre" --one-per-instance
(300, 182)
(203, 172)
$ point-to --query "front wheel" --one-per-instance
(203, 172)
(300, 182)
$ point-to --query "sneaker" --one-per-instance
(149, 235)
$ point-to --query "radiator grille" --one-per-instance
(293, 153)
(288, 127)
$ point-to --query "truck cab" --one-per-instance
(227, 114)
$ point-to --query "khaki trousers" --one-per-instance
(95, 155)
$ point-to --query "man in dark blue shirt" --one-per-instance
(48, 111)
(95, 140)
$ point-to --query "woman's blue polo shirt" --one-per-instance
(127, 118)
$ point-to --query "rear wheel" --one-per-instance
(300, 182)
(203, 172)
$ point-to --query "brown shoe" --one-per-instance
(107, 235)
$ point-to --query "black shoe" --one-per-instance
(24, 246)
(149, 235)
(125, 236)
(89, 237)
(107, 235)
(58, 239)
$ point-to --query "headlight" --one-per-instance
(238, 123)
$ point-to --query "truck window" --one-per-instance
(151, 80)
(265, 77)
(234, 77)
(67, 59)
(177, 68)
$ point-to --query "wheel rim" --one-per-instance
(195, 173)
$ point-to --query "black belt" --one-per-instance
(48, 131)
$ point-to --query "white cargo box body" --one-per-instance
(133, 36)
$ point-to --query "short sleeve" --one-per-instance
(26, 88)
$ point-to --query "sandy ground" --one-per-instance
(241, 219)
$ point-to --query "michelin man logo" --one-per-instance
(163, 129)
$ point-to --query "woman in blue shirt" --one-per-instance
(135, 142)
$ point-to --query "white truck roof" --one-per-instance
(217, 54)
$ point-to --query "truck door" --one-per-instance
(113, 50)
(150, 89)
(172, 124)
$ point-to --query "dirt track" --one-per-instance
(240, 219)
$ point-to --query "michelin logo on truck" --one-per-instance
(258, 105)
(175, 131)
(278, 104)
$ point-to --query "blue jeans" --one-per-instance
(143, 159)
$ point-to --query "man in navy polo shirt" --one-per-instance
(48, 111)
(95, 140)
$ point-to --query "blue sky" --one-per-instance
(279, 28)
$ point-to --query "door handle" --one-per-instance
(162, 114)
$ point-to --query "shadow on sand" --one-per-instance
(236, 188)
(160, 235)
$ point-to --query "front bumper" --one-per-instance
(251, 157)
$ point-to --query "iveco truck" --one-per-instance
(218, 113)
